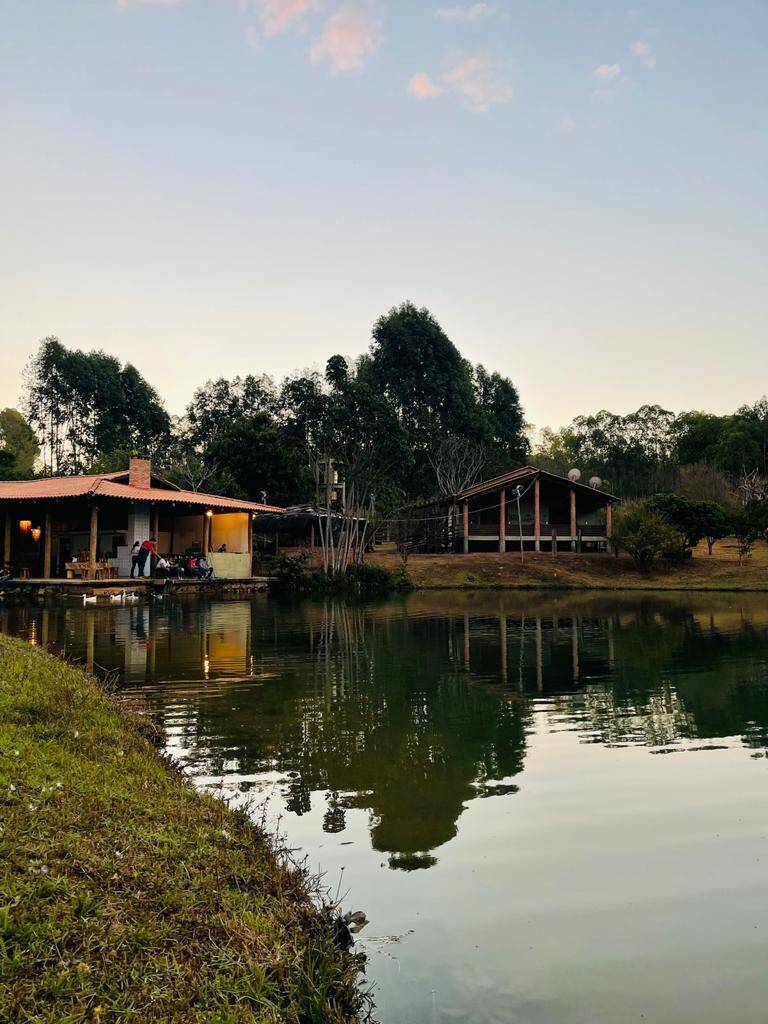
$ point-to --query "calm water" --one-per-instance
(553, 809)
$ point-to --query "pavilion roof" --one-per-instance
(108, 485)
(518, 476)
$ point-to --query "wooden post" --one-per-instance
(48, 545)
(502, 521)
(206, 534)
(7, 537)
(93, 552)
(537, 514)
(539, 659)
(573, 519)
(503, 645)
(575, 649)
(465, 525)
(155, 527)
(608, 520)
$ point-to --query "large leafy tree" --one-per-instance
(85, 405)
(435, 392)
(18, 442)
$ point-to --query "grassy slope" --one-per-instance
(127, 896)
(487, 569)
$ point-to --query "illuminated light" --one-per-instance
(36, 533)
(209, 513)
(25, 525)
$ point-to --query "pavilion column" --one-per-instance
(537, 513)
(502, 521)
(7, 537)
(573, 519)
(93, 546)
(155, 527)
(465, 525)
(48, 545)
(206, 535)
(608, 520)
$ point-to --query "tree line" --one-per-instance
(380, 416)
(409, 418)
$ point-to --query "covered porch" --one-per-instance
(85, 527)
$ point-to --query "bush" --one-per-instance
(695, 520)
(644, 534)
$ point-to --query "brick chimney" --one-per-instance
(140, 472)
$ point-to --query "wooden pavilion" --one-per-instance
(526, 508)
(85, 526)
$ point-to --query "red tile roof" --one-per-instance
(105, 485)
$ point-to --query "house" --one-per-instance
(526, 508)
(85, 526)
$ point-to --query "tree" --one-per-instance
(84, 405)
(715, 523)
(644, 534)
(635, 451)
(747, 523)
(457, 463)
(701, 481)
(19, 440)
(694, 520)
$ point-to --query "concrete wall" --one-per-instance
(230, 528)
(229, 566)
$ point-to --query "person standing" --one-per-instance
(135, 559)
(146, 549)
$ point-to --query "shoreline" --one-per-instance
(131, 896)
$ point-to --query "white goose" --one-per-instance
(89, 599)
(117, 598)
(131, 598)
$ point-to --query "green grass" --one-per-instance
(127, 896)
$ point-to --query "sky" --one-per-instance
(575, 188)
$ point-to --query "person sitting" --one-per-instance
(162, 567)
(205, 568)
(223, 549)
(175, 571)
(193, 568)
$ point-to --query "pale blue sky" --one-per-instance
(577, 190)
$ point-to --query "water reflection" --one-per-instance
(411, 710)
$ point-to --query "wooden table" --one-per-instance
(90, 571)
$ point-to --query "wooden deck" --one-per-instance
(136, 586)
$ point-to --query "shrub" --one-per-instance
(644, 534)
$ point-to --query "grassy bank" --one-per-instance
(127, 896)
(583, 572)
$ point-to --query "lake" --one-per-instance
(552, 807)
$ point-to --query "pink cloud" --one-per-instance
(479, 83)
(464, 12)
(606, 72)
(278, 16)
(423, 88)
(348, 38)
(642, 51)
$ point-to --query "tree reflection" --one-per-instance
(408, 711)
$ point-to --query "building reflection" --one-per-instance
(409, 711)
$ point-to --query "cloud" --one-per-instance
(642, 51)
(348, 38)
(567, 124)
(423, 88)
(278, 16)
(606, 72)
(464, 12)
(478, 83)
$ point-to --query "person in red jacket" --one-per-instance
(146, 549)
